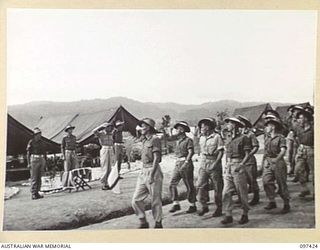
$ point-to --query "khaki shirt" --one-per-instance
(237, 147)
(69, 143)
(306, 137)
(211, 145)
(274, 144)
(105, 139)
(149, 146)
(183, 145)
(36, 147)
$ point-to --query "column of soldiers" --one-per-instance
(238, 176)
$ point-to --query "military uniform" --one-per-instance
(210, 146)
(118, 146)
(37, 152)
(251, 165)
(236, 181)
(107, 154)
(305, 157)
(68, 146)
(150, 145)
(183, 170)
(275, 171)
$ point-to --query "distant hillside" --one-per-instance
(30, 113)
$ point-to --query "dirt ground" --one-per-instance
(302, 215)
(98, 209)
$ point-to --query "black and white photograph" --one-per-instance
(160, 119)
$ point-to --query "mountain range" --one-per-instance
(30, 113)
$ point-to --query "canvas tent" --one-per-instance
(254, 113)
(19, 135)
(282, 110)
(53, 127)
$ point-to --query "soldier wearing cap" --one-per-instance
(150, 179)
(305, 153)
(235, 179)
(107, 153)
(68, 150)
(211, 148)
(36, 157)
(251, 165)
(275, 169)
(118, 143)
(183, 167)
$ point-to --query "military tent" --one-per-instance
(19, 135)
(53, 127)
(254, 113)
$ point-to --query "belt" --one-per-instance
(181, 158)
(236, 160)
(147, 165)
(306, 147)
(118, 143)
(70, 150)
(107, 146)
(271, 157)
(209, 157)
(37, 156)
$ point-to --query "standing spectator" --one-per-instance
(36, 157)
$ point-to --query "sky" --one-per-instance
(183, 56)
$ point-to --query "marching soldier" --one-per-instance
(251, 165)
(36, 157)
(107, 152)
(118, 143)
(305, 153)
(150, 179)
(211, 148)
(235, 179)
(183, 167)
(275, 168)
(68, 150)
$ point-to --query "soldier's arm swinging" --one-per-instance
(219, 157)
(155, 164)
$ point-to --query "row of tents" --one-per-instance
(53, 127)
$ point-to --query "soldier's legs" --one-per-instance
(202, 186)
(187, 176)
(175, 179)
(217, 180)
(67, 167)
(228, 189)
(241, 185)
(140, 194)
(280, 172)
(301, 173)
(268, 180)
(35, 175)
(310, 161)
(155, 189)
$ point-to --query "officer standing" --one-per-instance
(235, 179)
(36, 157)
(183, 167)
(68, 150)
(305, 153)
(275, 168)
(150, 179)
(118, 143)
(251, 165)
(107, 153)
(211, 148)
